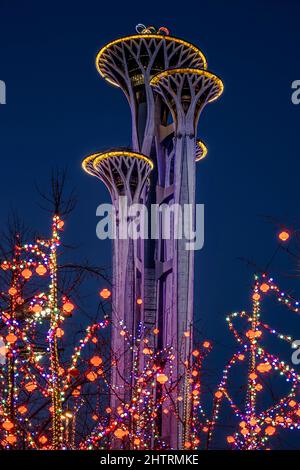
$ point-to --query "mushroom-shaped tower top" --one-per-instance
(141, 56)
(124, 173)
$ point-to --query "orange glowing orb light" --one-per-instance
(264, 367)
(60, 224)
(41, 270)
(43, 439)
(12, 291)
(37, 308)
(284, 236)
(147, 351)
(105, 294)
(119, 433)
(256, 296)
(30, 386)
(139, 301)
(270, 430)
(206, 344)
(60, 332)
(11, 338)
(91, 376)
(22, 409)
(7, 425)
(162, 378)
(96, 361)
(11, 439)
(253, 376)
(26, 273)
(264, 287)
(68, 307)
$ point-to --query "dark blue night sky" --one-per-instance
(59, 110)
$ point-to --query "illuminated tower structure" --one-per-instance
(166, 83)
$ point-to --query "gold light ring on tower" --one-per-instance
(201, 151)
(119, 153)
(143, 36)
(87, 161)
(97, 158)
(167, 73)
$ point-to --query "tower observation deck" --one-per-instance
(167, 85)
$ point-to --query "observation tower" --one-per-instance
(166, 83)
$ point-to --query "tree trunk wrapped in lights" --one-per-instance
(258, 424)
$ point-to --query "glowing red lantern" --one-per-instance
(68, 307)
(41, 270)
(264, 287)
(96, 361)
(162, 378)
(43, 439)
(60, 224)
(22, 409)
(12, 291)
(105, 294)
(11, 338)
(284, 236)
(7, 425)
(30, 386)
(270, 430)
(37, 308)
(11, 439)
(91, 376)
(26, 273)
(60, 332)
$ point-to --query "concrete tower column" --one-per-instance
(126, 175)
(185, 91)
